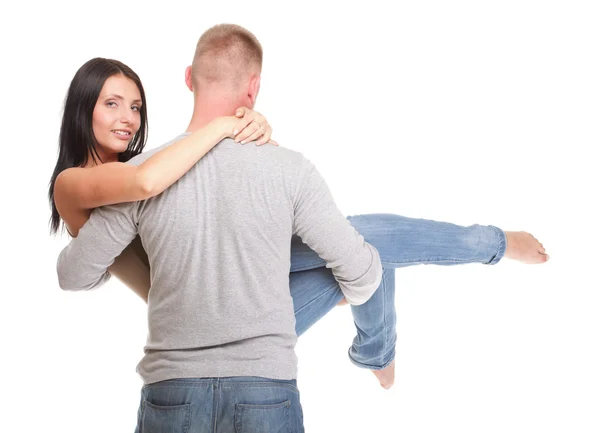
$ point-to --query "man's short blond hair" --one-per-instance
(226, 53)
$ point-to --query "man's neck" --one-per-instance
(207, 109)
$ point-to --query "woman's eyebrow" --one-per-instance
(114, 95)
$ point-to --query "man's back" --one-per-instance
(218, 242)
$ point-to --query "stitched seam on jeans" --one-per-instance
(263, 385)
(141, 421)
(424, 262)
(187, 424)
(385, 329)
(180, 385)
(168, 408)
(264, 407)
(227, 385)
(215, 406)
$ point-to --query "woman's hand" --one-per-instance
(250, 125)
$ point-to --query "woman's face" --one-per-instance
(116, 116)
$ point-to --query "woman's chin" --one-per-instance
(119, 147)
(111, 150)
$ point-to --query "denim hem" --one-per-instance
(501, 246)
(390, 357)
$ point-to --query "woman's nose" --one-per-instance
(126, 116)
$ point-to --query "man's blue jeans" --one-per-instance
(401, 242)
(220, 405)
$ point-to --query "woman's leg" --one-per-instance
(403, 241)
(315, 292)
(374, 346)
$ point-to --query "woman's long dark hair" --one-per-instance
(77, 140)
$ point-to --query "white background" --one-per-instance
(462, 111)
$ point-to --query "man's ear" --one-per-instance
(188, 78)
(253, 88)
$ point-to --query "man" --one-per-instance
(220, 351)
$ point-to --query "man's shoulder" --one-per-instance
(267, 153)
(284, 153)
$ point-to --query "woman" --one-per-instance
(105, 124)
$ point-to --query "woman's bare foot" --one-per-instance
(387, 375)
(522, 246)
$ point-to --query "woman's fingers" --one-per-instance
(245, 129)
(247, 132)
(266, 137)
(257, 131)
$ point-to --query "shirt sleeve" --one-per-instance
(355, 264)
(83, 264)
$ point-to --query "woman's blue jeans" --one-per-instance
(401, 242)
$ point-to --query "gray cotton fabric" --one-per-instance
(218, 242)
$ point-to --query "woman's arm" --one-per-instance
(77, 190)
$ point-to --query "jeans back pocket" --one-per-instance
(165, 419)
(263, 418)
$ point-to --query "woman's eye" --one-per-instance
(111, 104)
(135, 108)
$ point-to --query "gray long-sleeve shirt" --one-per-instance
(218, 242)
